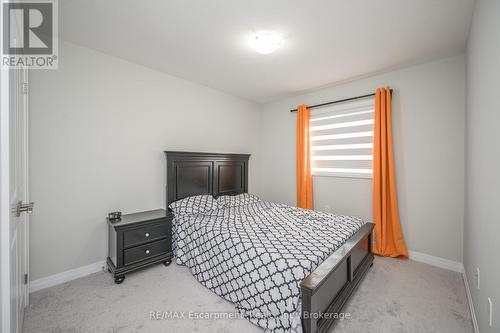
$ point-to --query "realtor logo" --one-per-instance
(29, 38)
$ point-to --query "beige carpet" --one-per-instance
(395, 296)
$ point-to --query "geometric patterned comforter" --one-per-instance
(256, 255)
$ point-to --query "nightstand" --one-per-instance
(139, 240)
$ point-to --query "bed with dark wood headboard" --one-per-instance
(327, 288)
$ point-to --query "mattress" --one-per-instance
(255, 255)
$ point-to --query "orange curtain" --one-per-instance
(388, 235)
(303, 156)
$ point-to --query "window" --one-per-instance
(342, 139)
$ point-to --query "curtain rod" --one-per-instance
(339, 101)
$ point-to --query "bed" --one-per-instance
(285, 268)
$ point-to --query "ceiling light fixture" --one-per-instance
(266, 42)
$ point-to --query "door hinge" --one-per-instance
(25, 278)
(23, 208)
(25, 88)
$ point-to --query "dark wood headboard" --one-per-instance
(191, 173)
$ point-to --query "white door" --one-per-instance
(14, 196)
(14, 295)
(18, 149)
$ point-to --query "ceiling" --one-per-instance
(327, 41)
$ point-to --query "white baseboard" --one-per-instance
(471, 304)
(437, 261)
(66, 276)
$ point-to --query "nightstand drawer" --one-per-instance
(145, 251)
(145, 234)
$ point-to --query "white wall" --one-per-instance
(428, 118)
(99, 126)
(482, 223)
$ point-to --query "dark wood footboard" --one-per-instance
(329, 286)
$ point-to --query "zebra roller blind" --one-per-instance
(342, 139)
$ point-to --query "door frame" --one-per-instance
(4, 196)
(26, 186)
(4, 200)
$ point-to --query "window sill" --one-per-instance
(346, 175)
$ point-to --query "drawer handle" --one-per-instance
(146, 234)
(147, 251)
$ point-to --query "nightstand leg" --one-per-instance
(119, 279)
(167, 262)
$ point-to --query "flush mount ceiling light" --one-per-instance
(266, 42)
